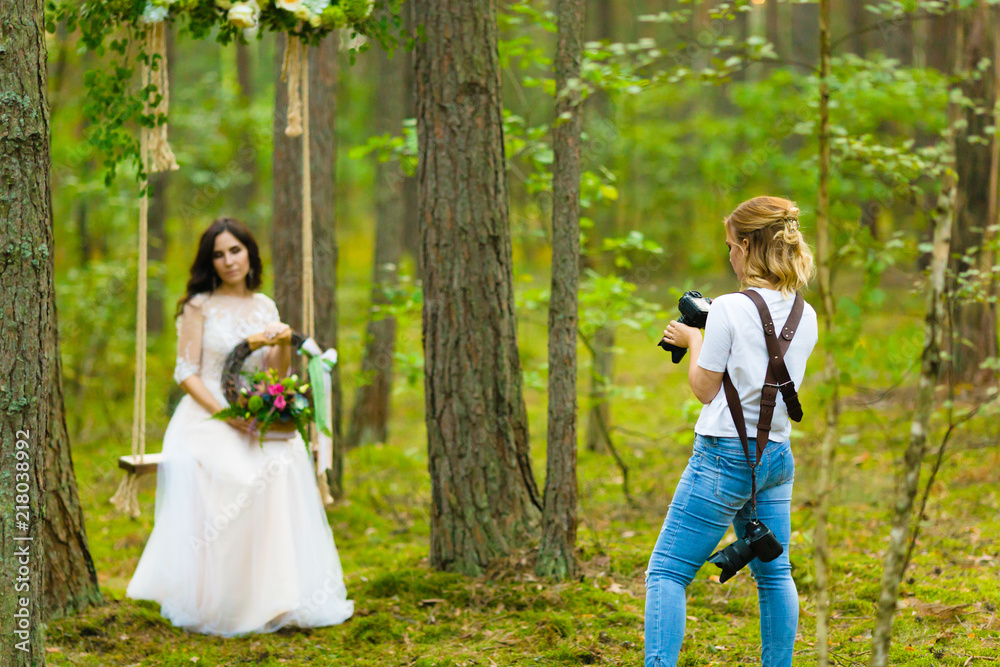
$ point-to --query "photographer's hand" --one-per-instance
(705, 384)
(681, 335)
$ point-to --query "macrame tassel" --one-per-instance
(161, 158)
(126, 498)
(324, 488)
(291, 72)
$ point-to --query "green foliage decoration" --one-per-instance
(113, 30)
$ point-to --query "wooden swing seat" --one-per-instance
(140, 465)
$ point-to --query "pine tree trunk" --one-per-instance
(370, 416)
(159, 186)
(805, 36)
(858, 20)
(70, 578)
(930, 371)
(485, 501)
(286, 234)
(556, 557)
(772, 26)
(601, 373)
(247, 152)
(974, 319)
(26, 329)
(824, 257)
(411, 223)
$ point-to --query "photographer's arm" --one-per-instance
(704, 383)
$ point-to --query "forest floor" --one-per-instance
(407, 614)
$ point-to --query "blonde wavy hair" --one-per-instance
(777, 254)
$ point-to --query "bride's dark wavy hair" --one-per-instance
(203, 275)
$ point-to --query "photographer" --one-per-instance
(770, 257)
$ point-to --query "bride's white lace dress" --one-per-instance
(240, 540)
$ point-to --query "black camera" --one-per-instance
(694, 313)
(758, 542)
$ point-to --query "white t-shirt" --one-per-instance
(734, 340)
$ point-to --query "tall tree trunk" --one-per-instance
(974, 319)
(930, 371)
(823, 252)
(899, 41)
(556, 557)
(70, 579)
(805, 36)
(26, 330)
(603, 359)
(772, 26)
(411, 223)
(159, 185)
(370, 416)
(485, 501)
(286, 234)
(602, 371)
(858, 21)
(942, 32)
(247, 152)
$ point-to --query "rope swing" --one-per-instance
(156, 156)
(295, 72)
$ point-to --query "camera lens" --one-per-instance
(732, 559)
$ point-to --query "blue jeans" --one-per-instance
(713, 492)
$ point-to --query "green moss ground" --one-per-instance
(407, 614)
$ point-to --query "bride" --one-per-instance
(240, 541)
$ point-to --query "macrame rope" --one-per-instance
(308, 293)
(156, 156)
(291, 71)
(161, 156)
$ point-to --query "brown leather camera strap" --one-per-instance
(777, 378)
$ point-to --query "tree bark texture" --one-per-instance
(26, 328)
(930, 371)
(485, 501)
(286, 233)
(370, 415)
(805, 36)
(246, 192)
(974, 319)
(556, 556)
(820, 539)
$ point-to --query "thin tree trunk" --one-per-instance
(370, 416)
(820, 540)
(930, 371)
(858, 20)
(602, 357)
(246, 153)
(773, 27)
(411, 223)
(973, 317)
(286, 234)
(556, 557)
(26, 330)
(805, 35)
(602, 371)
(485, 502)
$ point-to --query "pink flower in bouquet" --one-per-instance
(276, 390)
(279, 401)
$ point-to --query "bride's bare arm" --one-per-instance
(197, 390)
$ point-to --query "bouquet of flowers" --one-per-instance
(273, 402)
